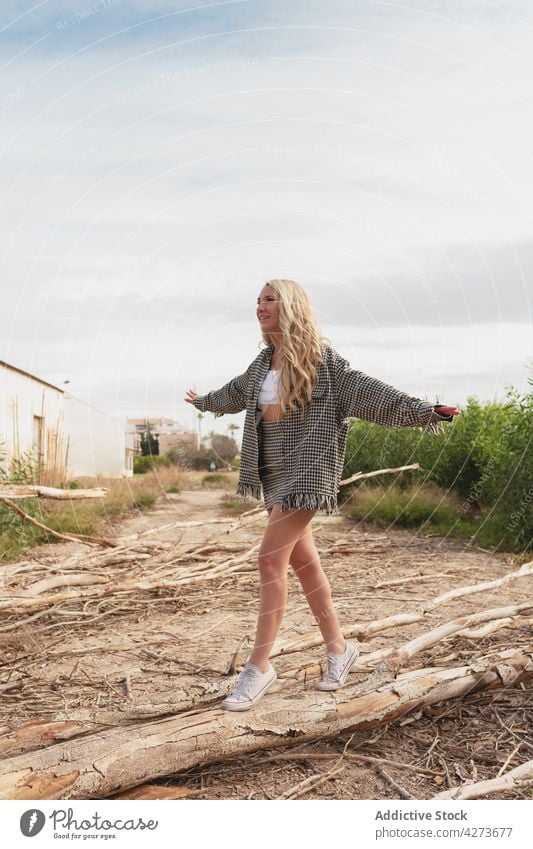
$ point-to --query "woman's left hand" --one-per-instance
(446, 411)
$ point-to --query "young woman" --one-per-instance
(298, 393)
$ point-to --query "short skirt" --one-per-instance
(271, 465)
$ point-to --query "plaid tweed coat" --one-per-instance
(314, 446)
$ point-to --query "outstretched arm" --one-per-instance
(368, 398)
(230, 398)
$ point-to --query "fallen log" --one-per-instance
(118, 759)
(87, 720)
(36, 491)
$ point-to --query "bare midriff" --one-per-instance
(271, 413)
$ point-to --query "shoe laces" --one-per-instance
(246, 680)
(334, 665)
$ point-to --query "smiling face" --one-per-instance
(268, 310)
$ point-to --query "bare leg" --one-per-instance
(282, 531)
(305, 561)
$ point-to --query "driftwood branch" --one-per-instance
(67, 537)
(362, 632)
(30, 491)
(525, 569)
(67, 580)
(400, 656)
(390, 660)
(25, 600)
(360, 475)
(520, 776)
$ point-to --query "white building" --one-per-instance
(60, 433)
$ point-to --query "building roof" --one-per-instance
(28, 374)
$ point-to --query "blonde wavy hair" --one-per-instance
(302, 345)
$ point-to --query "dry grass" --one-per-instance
(139, 490)
(124, 492)
(99, 516)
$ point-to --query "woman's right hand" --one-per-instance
(191, 395)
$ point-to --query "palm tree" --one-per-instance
(200, 416)
(232, 427)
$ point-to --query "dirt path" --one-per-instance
(79, 657)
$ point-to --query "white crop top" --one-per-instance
(268, 394)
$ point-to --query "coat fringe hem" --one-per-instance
(294, 500)
(310, 501)
(248, 490)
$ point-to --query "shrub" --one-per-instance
(407, 507)
(142, 465)
(216, 480)
(144, 500)
(484, 459)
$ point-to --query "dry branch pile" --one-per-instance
(107, 749)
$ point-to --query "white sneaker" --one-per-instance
(251, 685)
(339, 666)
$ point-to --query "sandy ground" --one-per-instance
(78, 657)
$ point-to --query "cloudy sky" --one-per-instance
(162, 159)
